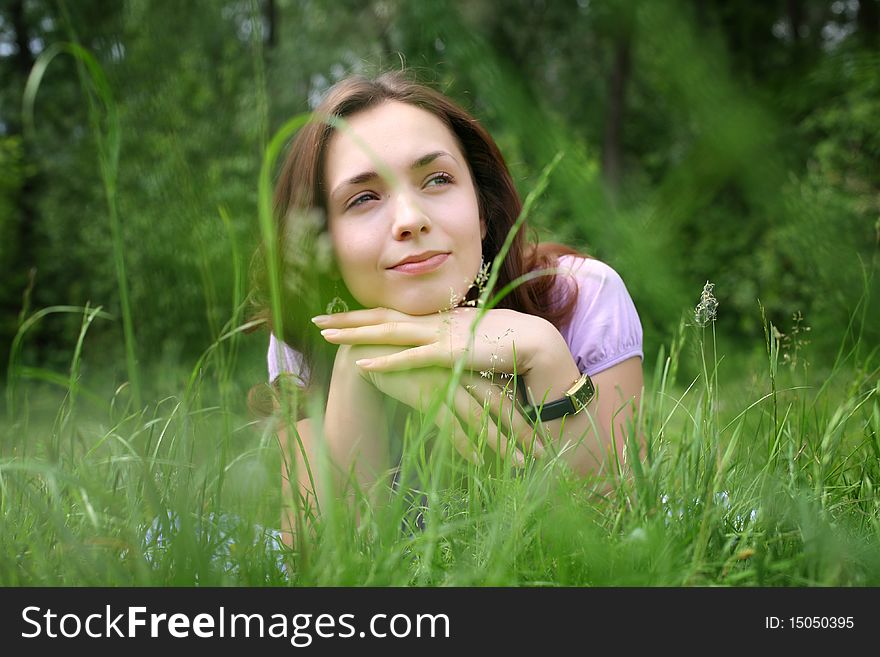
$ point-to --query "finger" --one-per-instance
(392, 333)
(499, 401)
(354, 318)
(429, 355)
(461, 442)
(466, 407)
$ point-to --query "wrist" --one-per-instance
(552, 370)
(543, 347)
(349, 384)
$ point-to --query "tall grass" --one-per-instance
(765, 475)
(773, 484)
(105, 129)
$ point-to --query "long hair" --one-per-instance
(308, 274)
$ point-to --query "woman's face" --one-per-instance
(403, 214)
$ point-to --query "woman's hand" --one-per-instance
(504, 341)
(475, 404)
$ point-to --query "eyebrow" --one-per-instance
(367, 176)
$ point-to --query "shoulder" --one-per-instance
(593, 277)
(586, 267)
(605, 328)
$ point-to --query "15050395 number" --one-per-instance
(821, 622)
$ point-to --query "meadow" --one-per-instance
(129, 455)
(759, 472)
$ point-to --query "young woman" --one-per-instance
(396, 215)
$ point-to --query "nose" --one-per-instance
(409, 218)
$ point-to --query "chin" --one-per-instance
(426, 303)
(419, 307)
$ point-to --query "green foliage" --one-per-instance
(748, 149)
(11, 179)
(763, 480)
(831, 240)
(12, 175)
(761, 181)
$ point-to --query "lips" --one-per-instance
(421, 263)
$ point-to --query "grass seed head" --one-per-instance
(707, 309)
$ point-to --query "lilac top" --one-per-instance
(604, 330)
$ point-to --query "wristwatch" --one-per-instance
(575, 400)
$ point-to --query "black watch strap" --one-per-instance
(575, 400)
(551, 410)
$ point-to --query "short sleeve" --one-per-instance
(284, 360)
(605, 328)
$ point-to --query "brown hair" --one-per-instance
(300, 213)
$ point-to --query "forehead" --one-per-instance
(395, 132)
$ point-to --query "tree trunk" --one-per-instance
(24, 62)
(272, 23)
(795, 21)
(868, 20)
(21, 259)
(612, 149)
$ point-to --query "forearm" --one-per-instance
(551, 374)
(318, 454)
(355, 426)
(594, 440)
(298, 499)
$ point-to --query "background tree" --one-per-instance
(728, 140)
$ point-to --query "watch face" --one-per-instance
(585, 393)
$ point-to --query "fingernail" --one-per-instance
(330, 333)
(320, 319)
(363, 362)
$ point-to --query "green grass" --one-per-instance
(765, 476)
(759, 470)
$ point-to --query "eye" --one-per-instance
(439, 179)
(360, 199)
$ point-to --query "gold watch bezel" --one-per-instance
(580, 400)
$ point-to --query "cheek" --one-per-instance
(468, 233)
(473, 229)
(356, 255)
(349, 248)
(459, 214)
(470, 208)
